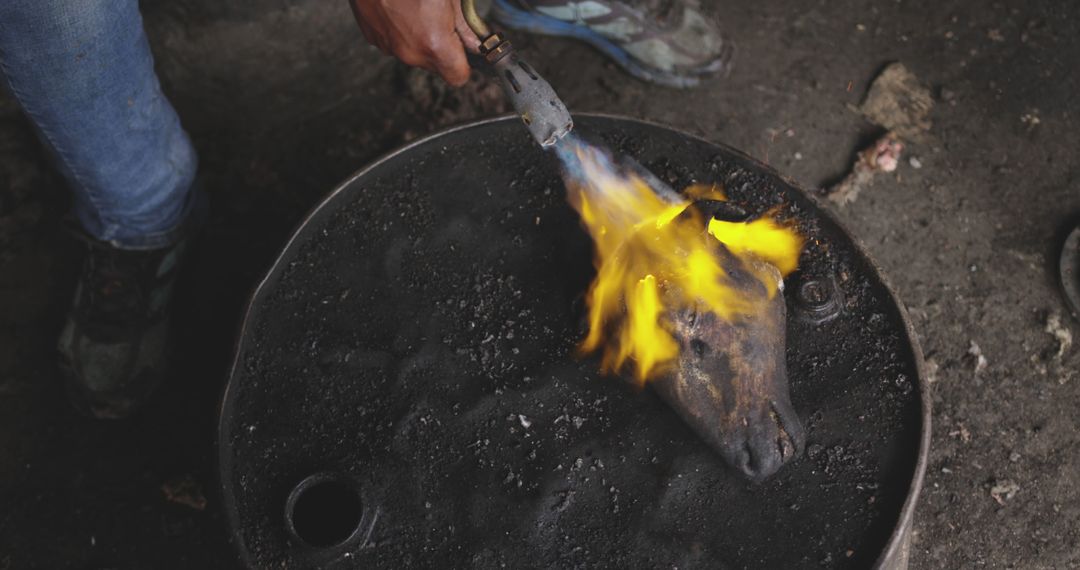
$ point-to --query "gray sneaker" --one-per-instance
(114, 344)
(669, 42)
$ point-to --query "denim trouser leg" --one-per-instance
(83, 73)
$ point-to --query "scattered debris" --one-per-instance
(1060, 333)
(901, 104)
(525, 421)
(1051, 359)
(962, 432)
(882, 156)
(186, 491)
(976, 356)
(995, 35)
(1031, 119)
(897, 101)
(1004, 490)
(1037, 362)
(932, 368)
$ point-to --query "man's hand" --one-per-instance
(431, 34)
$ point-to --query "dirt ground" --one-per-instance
(284, 101)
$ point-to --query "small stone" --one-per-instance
(977, 357)
(1061, 334)
(1004, 490)
(915, 162)
(932, 368)
(962, 432)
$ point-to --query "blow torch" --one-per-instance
(533, 99)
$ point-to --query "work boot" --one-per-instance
(668, 42)
(113, 346)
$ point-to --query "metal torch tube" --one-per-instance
(472, 17)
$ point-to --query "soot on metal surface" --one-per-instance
(417, 337)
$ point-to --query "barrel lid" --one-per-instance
(409, 359)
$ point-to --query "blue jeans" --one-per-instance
(83, 73)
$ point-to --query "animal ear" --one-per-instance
(720, 210)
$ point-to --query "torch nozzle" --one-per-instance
(532, 97)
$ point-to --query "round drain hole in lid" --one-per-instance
(324, 510)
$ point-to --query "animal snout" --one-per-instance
(768, 442)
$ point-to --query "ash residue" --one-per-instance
(493, 319)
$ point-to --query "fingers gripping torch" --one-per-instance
(535, 101)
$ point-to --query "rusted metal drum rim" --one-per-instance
(894, 555)
(1069, 270)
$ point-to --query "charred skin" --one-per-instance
(730, 382)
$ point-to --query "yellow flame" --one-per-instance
(762, 238)
(654, 256)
